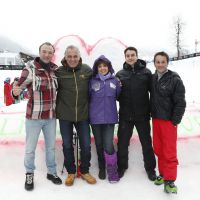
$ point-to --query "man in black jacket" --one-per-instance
(135, 111)
(168, 106)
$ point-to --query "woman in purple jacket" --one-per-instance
(104, 90)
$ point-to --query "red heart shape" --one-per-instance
(111, 47)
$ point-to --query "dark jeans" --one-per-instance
(103, 135)
(83, 131)
(125, 131)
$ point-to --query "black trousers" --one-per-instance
(125, 131)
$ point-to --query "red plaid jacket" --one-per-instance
(41, 85)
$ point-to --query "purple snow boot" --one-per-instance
(111, 167)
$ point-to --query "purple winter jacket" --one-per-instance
(103, 95)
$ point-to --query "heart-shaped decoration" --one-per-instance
(112, 48)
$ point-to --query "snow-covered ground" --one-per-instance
(134, 185)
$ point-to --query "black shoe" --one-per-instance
(151, 175)
(54, 178)
(121, 172)
(102, 174)
(29, 183)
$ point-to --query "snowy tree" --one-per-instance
(178, 26)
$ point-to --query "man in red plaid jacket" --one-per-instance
(39, 78)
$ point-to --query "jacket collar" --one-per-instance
(104, 77)
(140, 64)
(39, 67)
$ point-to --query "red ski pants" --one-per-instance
(164, 144)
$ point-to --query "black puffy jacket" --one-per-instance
(134, 98)
(168, 97)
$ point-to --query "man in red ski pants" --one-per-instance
(167, 108)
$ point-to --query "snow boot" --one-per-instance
(111, 167)
(170, 187)
(159, 180)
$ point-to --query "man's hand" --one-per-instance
(16, 91)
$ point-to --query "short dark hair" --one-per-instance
(48, 44)
(161, 53)
(131, 49)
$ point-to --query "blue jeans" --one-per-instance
(103, 135)
(83, 132)
(33, 129)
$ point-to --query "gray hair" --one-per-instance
(72, 47)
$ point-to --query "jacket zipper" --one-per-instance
(76, 109)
